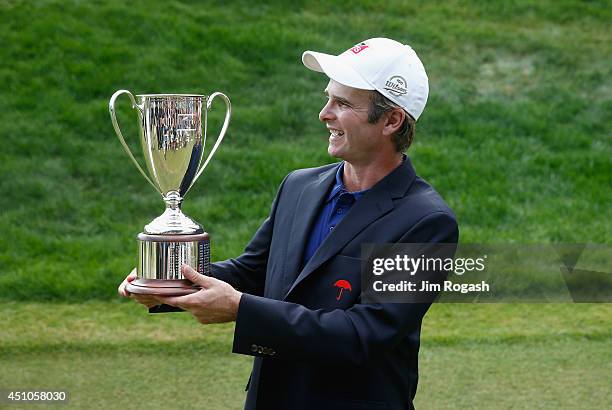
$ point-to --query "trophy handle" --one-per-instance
(111, 109)
(228, 114)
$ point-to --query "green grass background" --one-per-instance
(516, 137)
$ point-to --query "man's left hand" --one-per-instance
(216, 302)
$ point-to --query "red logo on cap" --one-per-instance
(359, 48)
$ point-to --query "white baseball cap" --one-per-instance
(381, 64)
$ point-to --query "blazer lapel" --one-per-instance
(374, 204)
(306, 211)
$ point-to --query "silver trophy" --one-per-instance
(173, 148)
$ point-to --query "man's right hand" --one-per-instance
(148, 301)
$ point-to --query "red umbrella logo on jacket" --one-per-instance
(342, 284)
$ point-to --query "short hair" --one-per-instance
(379, 104)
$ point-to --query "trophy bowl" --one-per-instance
(173, 139)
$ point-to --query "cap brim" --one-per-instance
(335, 68)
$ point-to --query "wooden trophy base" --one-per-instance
(162, 287)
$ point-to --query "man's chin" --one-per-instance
(334, 152)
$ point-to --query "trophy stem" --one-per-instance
(173, 221)
(173, 200)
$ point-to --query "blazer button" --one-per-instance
(259, 349)
(253, 348)
(272, 352)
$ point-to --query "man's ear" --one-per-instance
(393, 121)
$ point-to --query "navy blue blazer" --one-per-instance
(317, 347)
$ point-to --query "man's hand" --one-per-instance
(216, 302)
(148, 301)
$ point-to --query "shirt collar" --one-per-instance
(339, 188)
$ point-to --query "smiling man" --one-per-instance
(295, 291)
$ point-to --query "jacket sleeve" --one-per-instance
(247, 272)
(284, 330)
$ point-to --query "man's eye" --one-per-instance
(342, 104)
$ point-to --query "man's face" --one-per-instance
(345, 114)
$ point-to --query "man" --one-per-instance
(295, 291)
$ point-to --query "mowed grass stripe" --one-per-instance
(553, 374)
(104, 326)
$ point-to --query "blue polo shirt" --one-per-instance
(336, 205)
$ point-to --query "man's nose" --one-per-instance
(326, 113)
